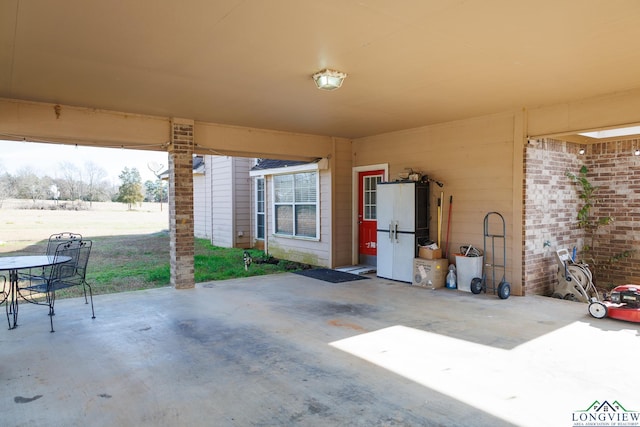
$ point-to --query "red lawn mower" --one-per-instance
(622, 303)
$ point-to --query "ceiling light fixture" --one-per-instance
(329, 79)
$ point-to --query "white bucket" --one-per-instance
(468, 268)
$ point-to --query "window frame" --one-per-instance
(378, 179)
(293, 205)
(264, 208)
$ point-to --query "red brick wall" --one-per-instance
(616, 170)
(551, 204)
(550, 207)
(181, 246)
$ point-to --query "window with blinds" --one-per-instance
(260, 213)
(296, 204)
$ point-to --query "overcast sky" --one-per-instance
(45, 159)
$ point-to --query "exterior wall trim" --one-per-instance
(307, 167)
(354, 203)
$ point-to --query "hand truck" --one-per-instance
(503, 288)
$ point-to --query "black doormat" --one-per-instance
(328, 275)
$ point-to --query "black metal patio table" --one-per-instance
(13, 264)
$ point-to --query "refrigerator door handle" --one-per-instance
(391, 231)
(395, 231)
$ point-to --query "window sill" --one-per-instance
(289, 236)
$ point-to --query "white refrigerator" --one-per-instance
(403, 219)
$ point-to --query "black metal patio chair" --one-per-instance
(4, 294)
(64, 237)
(52, 245)
(42, 290)
(4, 297)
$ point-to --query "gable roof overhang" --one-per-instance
(282, 167)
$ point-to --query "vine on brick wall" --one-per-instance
(590, 224)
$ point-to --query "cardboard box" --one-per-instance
(430, 273)
(426, 253)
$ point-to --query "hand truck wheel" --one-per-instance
(476, 285)
(504, 290)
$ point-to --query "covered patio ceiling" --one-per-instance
(249, 63)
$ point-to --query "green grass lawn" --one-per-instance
(127, 263)
(130, 249)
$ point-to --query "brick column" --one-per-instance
(181, 203)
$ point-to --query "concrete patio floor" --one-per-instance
(285, 350)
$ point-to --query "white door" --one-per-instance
(384, 261)
(384, 264)
(404, 249)
(405, 206)
(385, 207)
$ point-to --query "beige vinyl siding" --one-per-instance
(342, 207)
(308, 251)
(242, 201)
(478, 164)
(220, 175)
(222, 207)
(201, 208)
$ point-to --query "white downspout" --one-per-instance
(266, 218)
(234, 232)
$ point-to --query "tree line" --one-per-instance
(88, 184)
